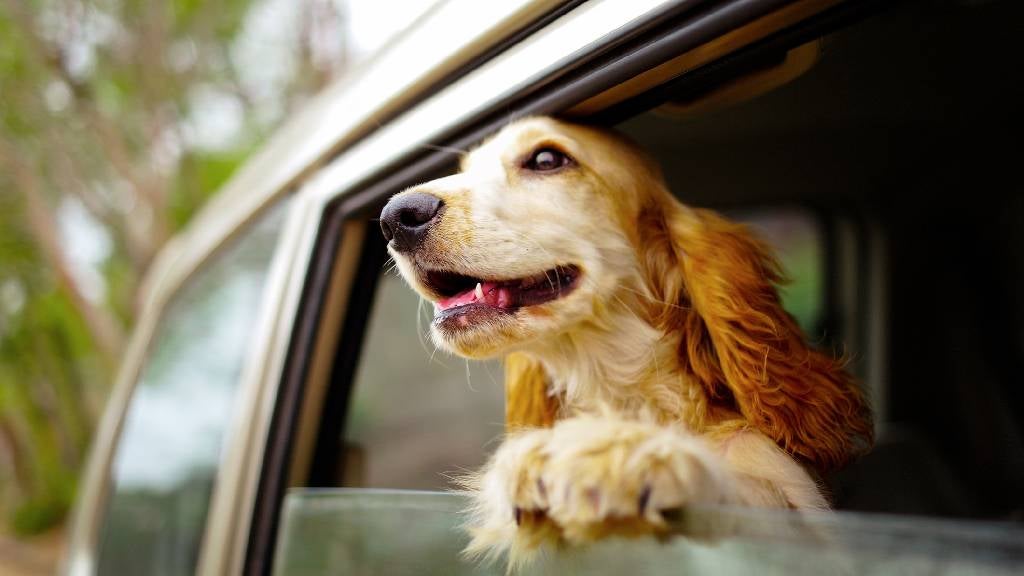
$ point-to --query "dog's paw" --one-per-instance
(509, 500)
(607, 476)
(589, 477)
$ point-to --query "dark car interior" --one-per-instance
(898, 139)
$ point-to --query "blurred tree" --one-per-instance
(118, 119)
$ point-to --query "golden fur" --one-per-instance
(670, 375)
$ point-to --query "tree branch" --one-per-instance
(102, 326)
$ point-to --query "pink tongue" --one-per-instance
(496, 296)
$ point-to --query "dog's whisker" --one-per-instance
(419, 325)
(469, 378)
(487, 369)
(432, 354)
(390, 265)
(421, 334)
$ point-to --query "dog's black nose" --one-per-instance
(406, 219)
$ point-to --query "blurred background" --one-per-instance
(118, 120)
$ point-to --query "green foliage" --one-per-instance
(121, 286)
(199, 176)
(36, 515)
(97, 111)
(46, 355)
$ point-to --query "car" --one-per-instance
(278, 411)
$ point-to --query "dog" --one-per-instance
(649, 364)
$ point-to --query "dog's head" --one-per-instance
(548, 226)
(523, 242)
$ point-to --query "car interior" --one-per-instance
(892, 140)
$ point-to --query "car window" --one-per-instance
(167, 457)
(418, 415)
(411, 533)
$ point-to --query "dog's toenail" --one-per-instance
(519, 516)
(594, 496)
(645, 496)
(542, 489)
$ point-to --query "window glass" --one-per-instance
(167, 458)
(407, 533)
(418, 415)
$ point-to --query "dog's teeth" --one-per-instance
(479, 291)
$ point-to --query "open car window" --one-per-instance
(418, 416)
(839, 167)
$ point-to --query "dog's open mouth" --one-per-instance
(459, 292)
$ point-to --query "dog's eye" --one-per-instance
(546, 159)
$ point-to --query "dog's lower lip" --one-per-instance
(466, 293)
(462, 316)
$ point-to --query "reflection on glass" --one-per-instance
(167, 458)
(399, 533)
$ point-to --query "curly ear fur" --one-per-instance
(715, 284)
(527, 402)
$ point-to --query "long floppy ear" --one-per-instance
(527, 403)
(716, 285)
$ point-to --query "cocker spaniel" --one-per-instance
(649, 364)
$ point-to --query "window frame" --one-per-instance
(168, 278)
(356, 183)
